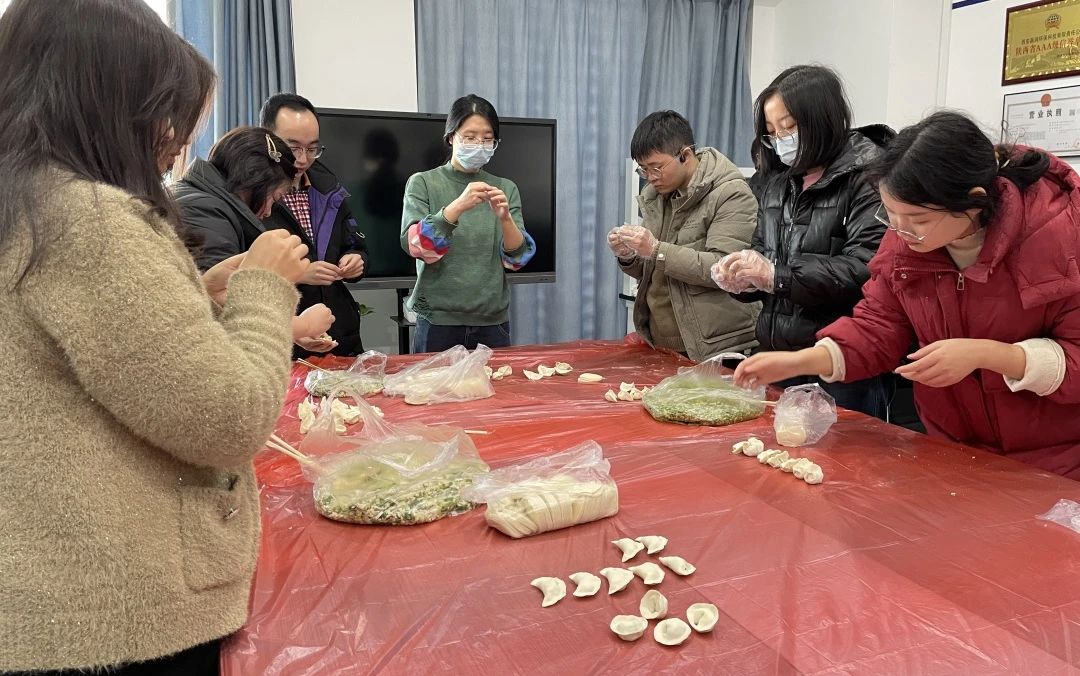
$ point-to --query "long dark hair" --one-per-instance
(99, 88)
(814, 95)
(245, 159)
(938, 161)
(466, 107)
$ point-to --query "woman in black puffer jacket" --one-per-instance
(816, 228)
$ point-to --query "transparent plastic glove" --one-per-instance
(639, 239)
(617, 246)
(721, 274)
(752, 268)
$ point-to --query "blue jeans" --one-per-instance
(435, 338)
(871, 396)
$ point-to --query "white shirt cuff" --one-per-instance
(1045, 368)
(839, 367)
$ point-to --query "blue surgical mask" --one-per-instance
(472, 159)
(787, 147)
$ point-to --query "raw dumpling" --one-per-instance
(545, 371)
(653, 605)
(554, 589)
(778, 459)
(649, 572)
(752, 447)
(702, 616)
(617, 579)
(678, 565)
(562, 368)
(532, 376)
(629, 627)
(587, 584)
(589, 378)
(813, 474)
(789, 464)
(611, 396)
(628, 547)
(654, 543)
(800, 467)
(671, 631)
(765, 456)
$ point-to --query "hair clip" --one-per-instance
(272, 150)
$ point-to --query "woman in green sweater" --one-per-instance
(463, 226)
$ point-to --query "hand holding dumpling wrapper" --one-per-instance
(704, 395)
(548, 493)
(386, 473)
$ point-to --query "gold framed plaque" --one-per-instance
(1042, 41)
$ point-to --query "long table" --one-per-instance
(914, 557)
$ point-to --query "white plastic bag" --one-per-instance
(804, 415)
(1064, 513)
(451, 376)
(551, 492)
(365, 376)
(385, 473)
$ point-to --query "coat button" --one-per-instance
(231, 513)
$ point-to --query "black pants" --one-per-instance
(435, 338)
(202, 660)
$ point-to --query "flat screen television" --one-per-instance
(374, 153)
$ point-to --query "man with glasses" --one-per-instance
(316, 209)
(696, 209)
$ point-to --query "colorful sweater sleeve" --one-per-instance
(519, 257)
(424, 235)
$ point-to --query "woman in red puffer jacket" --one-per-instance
(980, 267)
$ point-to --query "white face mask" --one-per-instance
(787, 148)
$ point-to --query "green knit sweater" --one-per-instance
(460, 269)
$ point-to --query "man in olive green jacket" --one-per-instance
(697, 208)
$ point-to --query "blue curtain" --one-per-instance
(598, 67)
(250, 43)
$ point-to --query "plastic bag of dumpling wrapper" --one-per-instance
(704, 395)
(451, 376)
(390, 474)
(804, 414)
(550, 492)
(365, 376)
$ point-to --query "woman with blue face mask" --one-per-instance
(816, 228)
(463, 226)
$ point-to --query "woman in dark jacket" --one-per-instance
(980, 273)
(816, 229)
(221, 203)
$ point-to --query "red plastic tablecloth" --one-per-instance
(913, 557)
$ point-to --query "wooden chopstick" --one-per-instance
(308, 364)
(280, 445)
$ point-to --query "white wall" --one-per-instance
(359, 54)
(886, 51)
(977, 37)
(356, 53)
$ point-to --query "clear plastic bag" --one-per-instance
(804, 415)
(1064, 513)
(390, 474)
(450, 376)
(704, 395)
(365, 376)
(551, 492)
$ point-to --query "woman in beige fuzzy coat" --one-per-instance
(136, 393)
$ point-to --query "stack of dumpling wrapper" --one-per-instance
(548, 493)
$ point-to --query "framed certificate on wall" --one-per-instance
(1044, 118)
(1042, 41)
